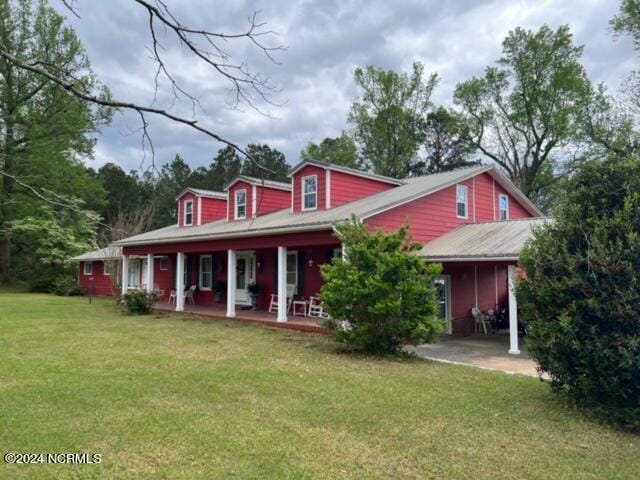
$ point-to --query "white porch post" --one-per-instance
(125, 274)
(282, 284)
(231, 283)
(180, 282)
(149, 273)
(513, 311)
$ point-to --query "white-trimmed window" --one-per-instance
(164, 263)
(188, 213)
(503, 204)
(241, 204)
(310, 192)
(292, 268)
(462, 201)
(206, 272)
(106, 267)
(87, 268)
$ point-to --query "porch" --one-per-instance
(259, 317)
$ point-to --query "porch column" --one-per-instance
(282, 284)
(149, 273)
(180, 282)
(513, 311)
(125, 274)
(231, 283)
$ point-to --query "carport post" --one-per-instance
(513, 311)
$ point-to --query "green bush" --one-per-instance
(383, 296)
(65, 286)
(139, 302)
(581, 296)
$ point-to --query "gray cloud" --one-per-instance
(325, 41)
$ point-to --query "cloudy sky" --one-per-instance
(325, 41)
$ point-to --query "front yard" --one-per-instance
(176, 397)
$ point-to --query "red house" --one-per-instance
(473, 220)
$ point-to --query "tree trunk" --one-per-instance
(6, 208)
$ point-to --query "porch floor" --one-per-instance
(489, 352)
(261, 317)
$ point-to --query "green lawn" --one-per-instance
(174, 397)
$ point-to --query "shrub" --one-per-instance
(65, 286)
(581, 296)
(383, 296)
(139, 302)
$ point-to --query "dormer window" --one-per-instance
(241, 204)
(504, 207)
(310, 192)
(462, 197)
(188, 213)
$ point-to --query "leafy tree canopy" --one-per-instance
(341, 150)
(273, 161)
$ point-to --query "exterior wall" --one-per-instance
(346, 188)
(271, 199)
(481, 283)
(297, 187)
(213, 209)
(232, 199)
(97, 283)
(186, 197)
(435, 215)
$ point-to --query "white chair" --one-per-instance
(158, 291)
(316, 309)
(273, 304)
(481, 319)
(172, 297)
(188, 295)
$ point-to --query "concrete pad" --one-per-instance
(489, 352)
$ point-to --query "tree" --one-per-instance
(383, 291)
(43, 129)
(269, 163)
(581, 292)
(225, 167)
(174, 177)
(388, 116)
(340, 150)
(444, 147)
(627, 22)
(523, 113)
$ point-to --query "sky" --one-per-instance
(324, 41)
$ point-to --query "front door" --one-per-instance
(443, 297)
(245, 274)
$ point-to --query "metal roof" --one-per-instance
(111, 252)
(352, 171)
(482, 241)
(203, 193)
(283, 221)
(259, 182)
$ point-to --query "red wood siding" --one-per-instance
(297, 187)
(232, 199)
(213, 209)
(186, 197)
(97, 283)
(271, 199)
(347, 188)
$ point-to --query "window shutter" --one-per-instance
(189, 271)
(301, 269)
(173, 273)
(275, 273)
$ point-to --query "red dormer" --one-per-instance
(197, 206)
(320, 185)
(250, 197)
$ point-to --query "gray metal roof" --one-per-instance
(283, 221)
(203, 193)
(352, 171)
(259, 182)
(109, 253)
(482, 241)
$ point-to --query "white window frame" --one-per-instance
(210, 272)
(106, 268)
(89, 271)
(236, 204)
(500, 209)
(164, 261)
(459, 188)
(304, 194)
(295, 270)
(186, 204)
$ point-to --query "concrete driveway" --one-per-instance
(489, 352)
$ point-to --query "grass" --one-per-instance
(183, 398)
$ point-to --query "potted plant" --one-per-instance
(219, 287)
(254, 292)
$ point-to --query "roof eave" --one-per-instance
(350, 171)
(471, 258)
